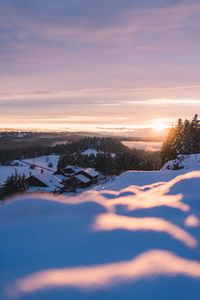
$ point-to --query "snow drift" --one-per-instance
(141, 242)
(187, 162)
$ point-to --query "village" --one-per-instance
(43, 175)
(69, 179)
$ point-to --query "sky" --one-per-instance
(112, 65)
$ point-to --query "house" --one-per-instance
(81, 181)
(33, 180)
(59, 172)
(76, 177)
(83, 178)
(90, 173)
(76, 181)
(61, 175)
(66, 173)
(44, 182)
(70, 170)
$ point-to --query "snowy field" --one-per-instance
(23, 167)
(42, 162)
(136, 238)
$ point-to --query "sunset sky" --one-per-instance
(108, 65)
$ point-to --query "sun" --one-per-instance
(158, 126)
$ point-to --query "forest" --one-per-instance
(183, 138)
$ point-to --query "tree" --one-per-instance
(194, 135)
(177, 142)
(168, 151)
(50, 165)
(184, 138)
(187, 139)
(15, 183)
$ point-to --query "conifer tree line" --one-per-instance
(183, 138)
(108, 164)
(100, 144)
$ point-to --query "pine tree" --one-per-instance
(184, 138)
(16, 183)
(177, 143)
(168, 151)
(187, 139)
(194, 132)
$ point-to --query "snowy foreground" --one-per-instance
(123, 241)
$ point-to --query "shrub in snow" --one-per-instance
(50, 165)
(32, 166)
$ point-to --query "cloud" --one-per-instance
(108, 24)
(117, 55)
(101, 94)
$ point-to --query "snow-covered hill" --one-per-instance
(187, 162)
(138, 239)
(46, 163)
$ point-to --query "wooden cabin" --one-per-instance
(90, 174)
(33, 181)
(44, 182)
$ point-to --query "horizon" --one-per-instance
(139, 135)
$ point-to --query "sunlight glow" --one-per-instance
(146, 265)
(159, 126)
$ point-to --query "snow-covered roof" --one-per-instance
(52, 181)
(75, 169)
(62, 177)
(91, 172)
(82, 178)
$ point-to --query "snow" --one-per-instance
(6, 171)
(91, 172)
(90, 151)
(137, 239)
(47, 177)
(139, 178)
(42, 164)
(75, 169)
(142, 178)
(62, 177)
(53, 182)
(42, 161)
(94, 152)
(187, 162)
(82, 178)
